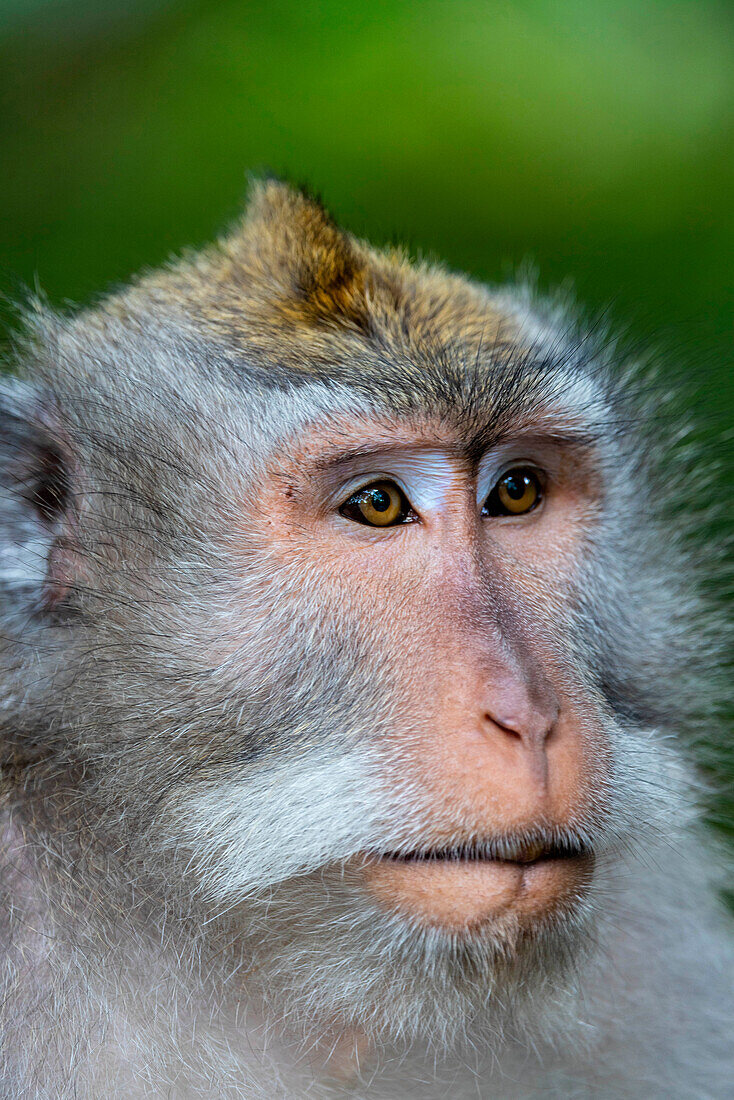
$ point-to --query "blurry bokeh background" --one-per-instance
(592, 138)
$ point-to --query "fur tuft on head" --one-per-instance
(294, 247)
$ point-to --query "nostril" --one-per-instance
(508, 725)
(532, 728)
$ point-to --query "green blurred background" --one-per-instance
(594, 138)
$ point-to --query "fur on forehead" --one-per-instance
(162, 383)
(288, 299)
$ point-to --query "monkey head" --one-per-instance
(330, 602)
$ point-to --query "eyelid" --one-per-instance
(422, 476)
(350, 488)
(489, 478)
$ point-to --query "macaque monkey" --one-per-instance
(350, 652)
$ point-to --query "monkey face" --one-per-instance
(499, 758)
(440, 766)
(326, 610)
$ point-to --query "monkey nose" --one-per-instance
(532, 726)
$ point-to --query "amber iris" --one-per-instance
(378, 505)
(517, 492)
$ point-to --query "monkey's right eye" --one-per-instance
(382, 504)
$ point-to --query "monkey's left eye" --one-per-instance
(517, 492)
(379, 505)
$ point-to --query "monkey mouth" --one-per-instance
(499, 850)
(460, 887)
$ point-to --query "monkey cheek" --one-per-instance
(458, 896)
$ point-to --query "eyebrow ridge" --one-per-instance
(581, 439)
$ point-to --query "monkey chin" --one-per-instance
(465, 895)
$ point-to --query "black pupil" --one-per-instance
(516, 487)
(380, 500)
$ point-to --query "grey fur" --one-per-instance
(179, 795)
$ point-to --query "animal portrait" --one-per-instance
(355, 638)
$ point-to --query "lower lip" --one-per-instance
(458, 895)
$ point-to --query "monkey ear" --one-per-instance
(34, 493)
(297, 247)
